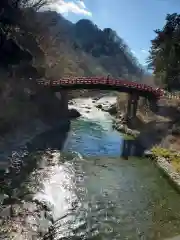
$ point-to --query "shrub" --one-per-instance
(170, 155)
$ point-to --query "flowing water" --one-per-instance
(96, 194)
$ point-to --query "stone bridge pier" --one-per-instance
(53, 105)
(132, 105)
(63, 102)
(62, 96)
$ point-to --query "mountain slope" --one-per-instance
(84, 49)
(47, 45)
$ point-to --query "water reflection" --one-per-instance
(131, 148)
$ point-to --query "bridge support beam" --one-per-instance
(132, 106)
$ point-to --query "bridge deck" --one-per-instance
(103, 83)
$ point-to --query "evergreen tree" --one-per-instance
(164, 57)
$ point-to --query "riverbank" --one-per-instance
(169, 171)
(21, 215)
(160, 130)
(120, 127)
(25, 133)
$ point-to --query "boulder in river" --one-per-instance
(112, 109)
(73, 113)
(99, 106)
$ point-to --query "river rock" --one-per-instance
(5, 212)
(112, 109)
(99, 106)
(176, 129)
(73, 113)
(3, 197)
(148, 153)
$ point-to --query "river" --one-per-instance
(95, 193)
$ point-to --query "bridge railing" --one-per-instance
(171, 95)
(102, 81)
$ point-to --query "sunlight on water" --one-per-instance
(96, 195)
(58, 189)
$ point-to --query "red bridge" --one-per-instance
(106, 83)
(134, 89)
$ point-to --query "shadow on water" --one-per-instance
(22, 166)
(53, 139)
(131, 148)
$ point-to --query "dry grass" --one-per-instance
(171, 156)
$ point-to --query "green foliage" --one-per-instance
(164, 56)
(171, 156)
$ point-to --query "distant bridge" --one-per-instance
(134, 89)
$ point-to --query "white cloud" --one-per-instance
(65, 7)
(133, 52)
(81, 4)
(144, 51)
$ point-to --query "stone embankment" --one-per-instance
(118, 123)
(119, 126)
(168, 170)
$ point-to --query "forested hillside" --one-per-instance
(84, 49)
(51, 42)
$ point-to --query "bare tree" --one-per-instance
(35, 4)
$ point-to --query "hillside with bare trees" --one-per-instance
(36, 44)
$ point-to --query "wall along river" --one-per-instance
(97, 194)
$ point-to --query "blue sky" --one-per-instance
(133, 20)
